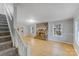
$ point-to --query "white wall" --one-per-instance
(67, 31)
(2, 8)
(22, 47)
(26, 30)
(33, 30)
(76, 31)
(20, 21)
(76, 34)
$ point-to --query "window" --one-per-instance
(57, 30)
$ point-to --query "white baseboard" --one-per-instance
(75, 50)
(61, 41)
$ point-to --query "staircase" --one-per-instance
(6, 47)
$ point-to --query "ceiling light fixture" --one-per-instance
(31, 21)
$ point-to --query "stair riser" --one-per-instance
(5, 39)
(5, 46)
(3, 16)
(3, 19)
(3, 22)
(3, 26)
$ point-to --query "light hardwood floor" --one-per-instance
(49, 48)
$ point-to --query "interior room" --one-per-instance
(43, 29)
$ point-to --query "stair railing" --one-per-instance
(23, 48)
(9, 18)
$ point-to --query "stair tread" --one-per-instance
(7, 50)
(4, 36)
(5, 45)
(4, 31)
(12, 49)
(6, 42)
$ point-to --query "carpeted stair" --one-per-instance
(6, 46)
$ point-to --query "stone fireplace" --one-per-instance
(42, 31)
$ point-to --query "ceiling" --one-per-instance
(45, 12)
